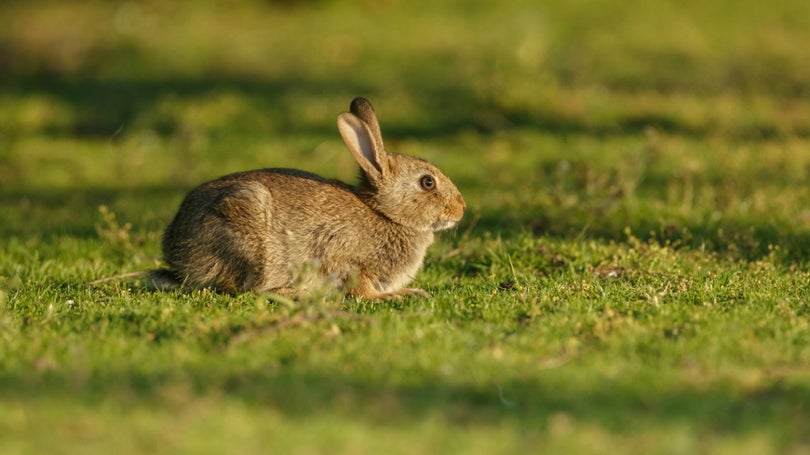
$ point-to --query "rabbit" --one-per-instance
(257, 230)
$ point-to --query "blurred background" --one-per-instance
(671, 117)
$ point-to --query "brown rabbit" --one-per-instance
(258, 230)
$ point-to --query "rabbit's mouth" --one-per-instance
(441, 225)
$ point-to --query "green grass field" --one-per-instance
(632, 275)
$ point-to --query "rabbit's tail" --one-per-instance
(162, 280)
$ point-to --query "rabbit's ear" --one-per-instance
(359, 140)
(363, 109)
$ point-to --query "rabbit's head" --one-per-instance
(407, 190)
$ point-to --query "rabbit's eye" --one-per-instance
(427, 183)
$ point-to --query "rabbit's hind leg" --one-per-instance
(249, 246)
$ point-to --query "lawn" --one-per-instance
(632, 274)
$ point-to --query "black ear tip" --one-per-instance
(360, 104)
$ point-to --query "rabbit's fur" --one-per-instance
(261, 230)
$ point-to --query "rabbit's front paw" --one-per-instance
(404, 292)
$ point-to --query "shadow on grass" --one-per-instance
(447, 107)
(735, 239)
(102, 107)
(619, 405)
(75, 212)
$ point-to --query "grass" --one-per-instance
(631, 276)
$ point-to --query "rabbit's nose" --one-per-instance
(460, 201)
(458, 207)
